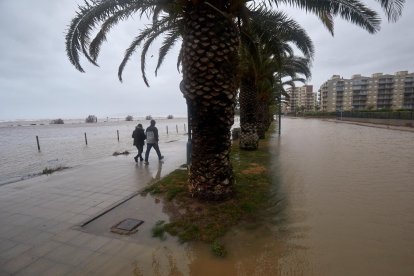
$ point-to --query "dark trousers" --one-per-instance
(140, 149)
(149, 147)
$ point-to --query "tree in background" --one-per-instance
(209, 59)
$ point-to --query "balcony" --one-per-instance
(384, 102)
(387, 80)
(384, 97)
(360, 94)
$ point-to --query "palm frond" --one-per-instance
(393, 8)
(350, 10)
(100, 37)
(131, 49)
(168, 43)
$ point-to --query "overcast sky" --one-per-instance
(38, 82)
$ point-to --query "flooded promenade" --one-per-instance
(343, 199)
(348, 193)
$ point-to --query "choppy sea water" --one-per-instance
(64, 145)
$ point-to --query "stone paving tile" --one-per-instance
(19, 262)
(18, 219)
(6, 244)
(114, 247)
(65, 236)
(93, 263)
(92, 211)
(33, 237)
(8, 231)
(59, 270)
(43, 249)
(15, 251)
(114, 267)
(38, 267)
(68, 254)
(80, 240)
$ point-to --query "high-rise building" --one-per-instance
(302, 98)
(380, 91)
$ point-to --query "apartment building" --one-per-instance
(380, 91)
(302, 99)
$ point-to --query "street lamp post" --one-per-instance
(280, 113)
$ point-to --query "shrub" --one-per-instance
(129, 118)
(148, 117)
(218, 249)
(91, 119)
(170, 117)
(57, 121)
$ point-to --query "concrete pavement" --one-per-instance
(41, 218)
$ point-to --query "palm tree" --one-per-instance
(209, 57)
(273, 33)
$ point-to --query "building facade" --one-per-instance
(302, 99)
(380, 91)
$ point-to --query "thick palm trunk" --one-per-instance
(210, 60)
(261, 115)
(249, 139)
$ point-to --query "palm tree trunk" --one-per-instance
(210, 54)
(261, 115)
(249, 139)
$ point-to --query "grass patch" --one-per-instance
(48, 171)
(158, 231)
(218, 249)
(194, 220)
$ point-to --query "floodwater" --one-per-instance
(343, 205)
(64, 145)
(349, 198)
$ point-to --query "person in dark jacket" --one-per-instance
(152, 141)
(139, 141)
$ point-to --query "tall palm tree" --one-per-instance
(209, 56)
(272, 32)
(285, 70)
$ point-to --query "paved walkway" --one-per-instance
(378, 125)
(40, 218)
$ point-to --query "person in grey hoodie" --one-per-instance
(152, 141)
(139, 141)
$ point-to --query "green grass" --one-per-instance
(209, 221)
(158, 230)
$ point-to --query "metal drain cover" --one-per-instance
(127, 226)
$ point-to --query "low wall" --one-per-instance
(392, 122)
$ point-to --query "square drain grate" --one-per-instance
(127, 226)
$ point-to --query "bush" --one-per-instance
(148, 117)
(129, 118)
(170, 117)
(57, 122)
(91, 119)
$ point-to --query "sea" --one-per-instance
(65, 145)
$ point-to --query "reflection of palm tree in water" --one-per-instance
(157, 176)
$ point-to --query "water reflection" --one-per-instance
(351, 187)
(343, 205)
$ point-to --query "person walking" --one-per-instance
(152, 141)
(139, 141)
